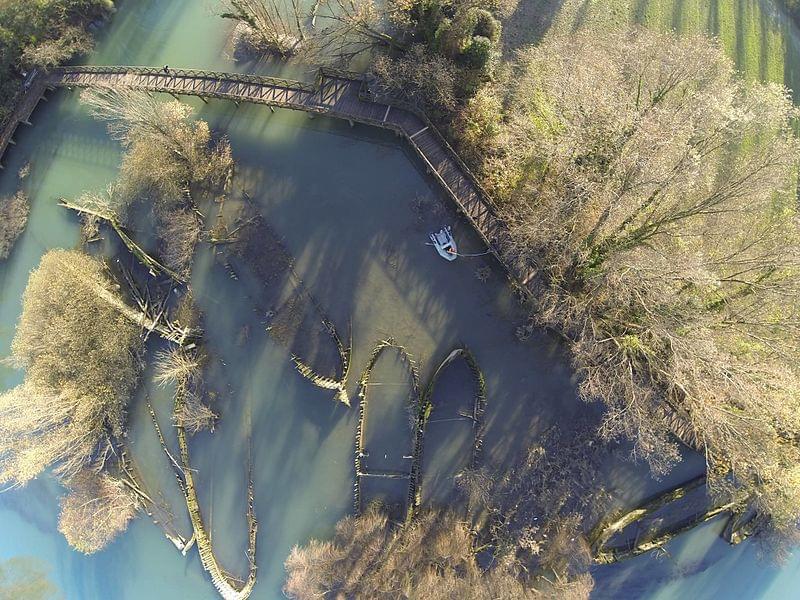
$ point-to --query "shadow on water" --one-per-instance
(450, 433)
(357, 239)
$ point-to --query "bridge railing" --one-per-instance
(190, 74)
(366, 95)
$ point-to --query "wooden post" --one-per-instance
(271, 108)
(12, 142)
(26, 122)
(351, 122)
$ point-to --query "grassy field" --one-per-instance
(764, 43)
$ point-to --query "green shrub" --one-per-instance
(479, 52)
(485, 25)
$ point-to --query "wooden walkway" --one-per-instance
(26, 104)
(334, 93)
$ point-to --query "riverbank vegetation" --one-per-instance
(655, 197)
(432, 556)
(41, 34)
(652, 190)
(97, 508)
(183, 369)
(14, 212)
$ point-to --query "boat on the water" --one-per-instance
(444, 243)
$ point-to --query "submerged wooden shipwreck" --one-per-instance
(427, 408)
(362, 470)
(294, 318)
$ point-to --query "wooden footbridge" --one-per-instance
(334, 93)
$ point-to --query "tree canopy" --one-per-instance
(655, 193)
(42, 33)
(170, 160)
(79, 351)
(431, 556)
(96, 509)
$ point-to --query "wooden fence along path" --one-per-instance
(334, 93)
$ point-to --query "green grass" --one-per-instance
(754, 35)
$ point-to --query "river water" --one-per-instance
(353, 207)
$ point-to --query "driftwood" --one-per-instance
(225, 583)
(164, 328)
(603, 532)
(159, 515)
(153, 266)
(616, 554)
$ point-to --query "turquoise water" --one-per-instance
(353, 207)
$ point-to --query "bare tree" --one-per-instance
(431, 556)
(174, 366)
(166, 150)
(350, 28)
(418, 77)
(169, 162)
(50, 52)
(13, 218)
(97, 508)
(347, 28)
(78, 342)
(534, 511)
(269, 26)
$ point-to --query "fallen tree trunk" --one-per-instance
(181, 336)
(153, 266)
(159, 515)
(605, 530)
(612, 555)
